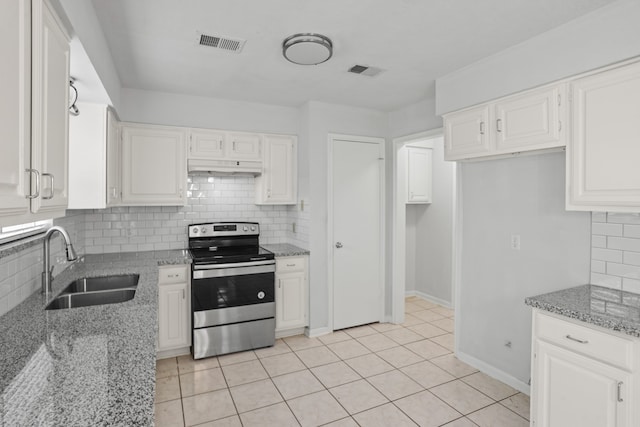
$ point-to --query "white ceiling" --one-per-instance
(154, 44)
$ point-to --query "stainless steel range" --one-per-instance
(232, 289)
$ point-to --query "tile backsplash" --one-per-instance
(217, 198)
(615, 250)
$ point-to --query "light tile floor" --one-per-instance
(374, 375)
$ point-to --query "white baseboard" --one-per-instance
(165, 354)
(494, 372)
(317, 332)
(429, 298)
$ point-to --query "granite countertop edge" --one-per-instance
(285, 249)
(99, 360)
(575, 303)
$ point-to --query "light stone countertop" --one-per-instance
(87, 365)
(608, 308)
(285, 249)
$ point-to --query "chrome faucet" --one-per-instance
(47, 270)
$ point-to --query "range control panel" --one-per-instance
(216, 229)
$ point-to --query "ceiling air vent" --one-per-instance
(365, 71)
(224, 43)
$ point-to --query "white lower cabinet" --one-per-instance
(582, 376)
(291, 294)
(174, 310)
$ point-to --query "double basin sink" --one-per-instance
(88, 291)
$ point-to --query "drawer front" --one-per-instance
(290, 264)
(609, 348)
(173, 274)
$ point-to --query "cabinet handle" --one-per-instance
(50, 175)
(180, 193)
(291, 265)
(620, 399)
(234, 145)
(569, 337)
(220, 145)
(183, 294)
(279, 283)
(268, 194)
(559, 126)
(481, 128)
(37, 193)
(499, 125)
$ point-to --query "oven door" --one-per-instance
(232, 293)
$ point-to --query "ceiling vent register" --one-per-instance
(365, 71)
(224, 43)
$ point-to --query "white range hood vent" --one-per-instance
(224, 167)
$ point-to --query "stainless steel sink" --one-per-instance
(96, 291)
(106, 283)
(85, 299)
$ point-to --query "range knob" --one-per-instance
(253, 228)
(203, 229)
(195, 230)
(245, 228)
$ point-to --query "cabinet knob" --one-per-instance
(338, 245)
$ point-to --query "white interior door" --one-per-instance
(357, 232)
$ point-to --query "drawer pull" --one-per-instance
(569, 337)
(291, 265)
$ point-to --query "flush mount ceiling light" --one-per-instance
(307, 48)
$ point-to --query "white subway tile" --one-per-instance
(632, 231)
(631, 285)
(598, 217)
(612, 282)
(604, 229)
(623, 243)
(606, 254)
(598, 241)
(623, 218)
(631, 258)
(623, 270)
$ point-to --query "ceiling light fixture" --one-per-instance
(307, 48)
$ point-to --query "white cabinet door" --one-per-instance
(290, 300)
(602, 160)
(243, 146)
(114, 147)
(173, 316)
(530, 120)
(50, 110)
(419, 163)
(15, 110)
(467, 134)
(154, 165)
(574, 390)
(278, 182)
(206, 144)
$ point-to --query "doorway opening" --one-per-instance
(422, 230)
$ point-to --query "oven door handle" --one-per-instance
(258, 261)
(238, 271)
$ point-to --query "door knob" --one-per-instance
(338, 245)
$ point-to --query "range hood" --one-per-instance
(224, 167)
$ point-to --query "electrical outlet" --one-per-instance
(507, 343)
(515, 242)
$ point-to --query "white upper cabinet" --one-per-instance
(154, 165)
(466, 134)
(532, 120)
(419, 175)
(243, 146)
(207, 144)
(34, 106)
(603, 170)
(15, 107)
(278, 182)
(94, 158)
(50, 111)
